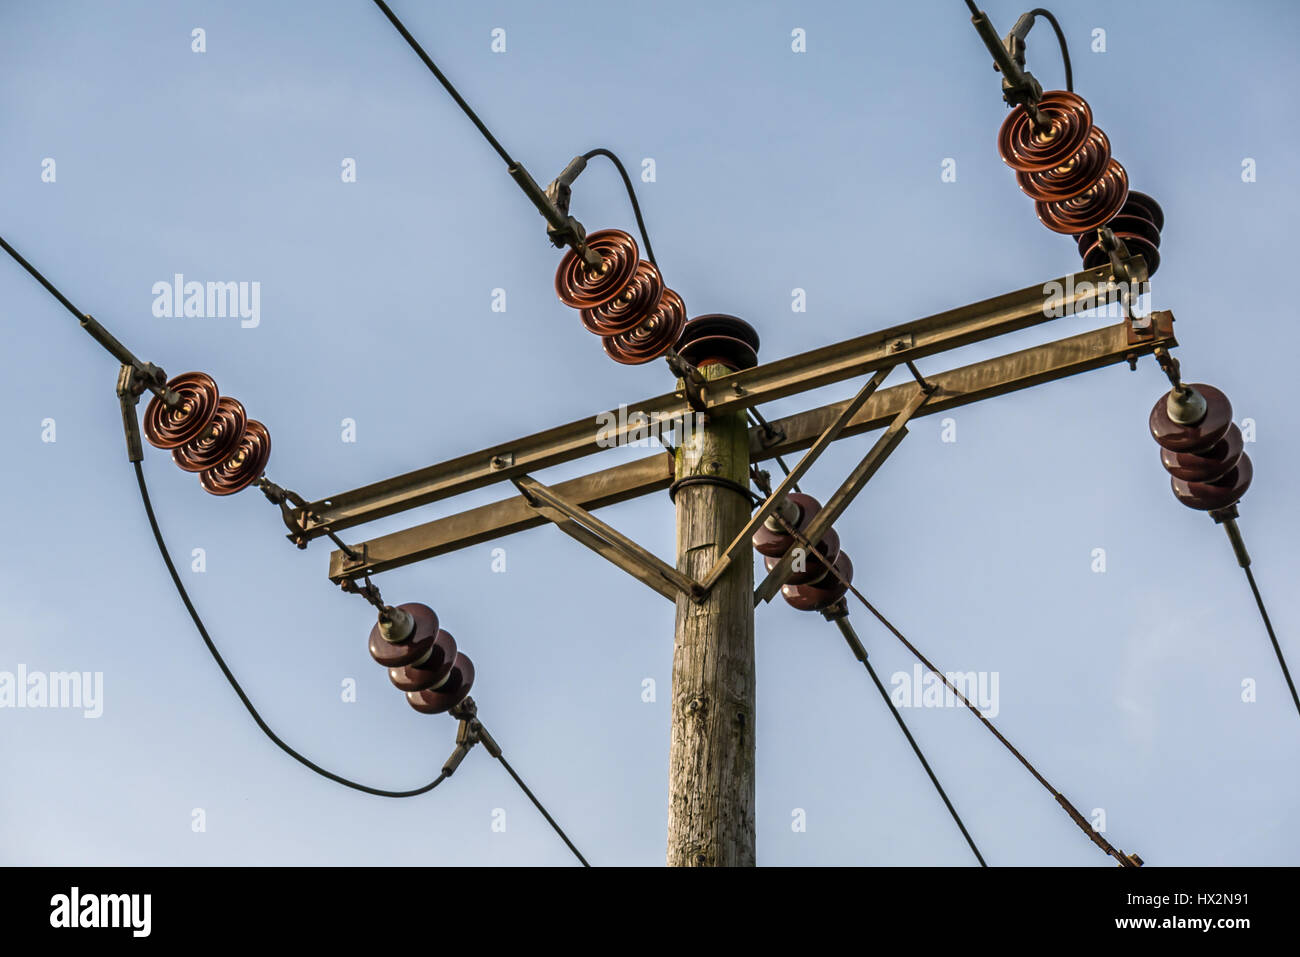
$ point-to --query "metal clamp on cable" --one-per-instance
(1019, 88)
(469, 733)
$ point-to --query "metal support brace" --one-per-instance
(741, 543)
(610, 544)
(845, 494)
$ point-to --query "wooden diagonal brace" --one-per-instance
(607, 542)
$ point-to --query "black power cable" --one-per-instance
(266, 729)
(631, 194)
(1060, 38)
(839, 613)
(225, 670)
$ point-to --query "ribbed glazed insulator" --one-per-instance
(585, 288)
(1196, 436)
(1204, 457)
(449, 692)
(170, 428)
(218, 440)
(1090, 209)
(652, 337)
(635, 303)
(772, 540)
(398, 650)
(429, 669)
(1075, 176)
(811, 569)
(719, 338)
(1222, 492)
(245, 464)
(1138, 224)
(826, 592)
(1208, 465)
(1069, 122)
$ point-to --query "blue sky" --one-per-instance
(775, 171)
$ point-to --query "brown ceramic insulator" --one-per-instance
(1208, 466)
(450, 693)
(1207, 496)
(637, 302)
(653, 337)
(719, 338)
(170, 428)
(1138, 224)
(218, 440)
(1076, 175)
(432, 670)
(823, 594)
(1087, 210)
(1069, 121)
(814, 570)
(245, 464)
(416, 645)
(584, 288)
(1198, 436)
(1140, 204)
(774, 543)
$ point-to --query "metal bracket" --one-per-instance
(612, 545)
(845, 494)
(361, 561)
(741, 543)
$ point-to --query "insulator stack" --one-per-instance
(813, 586)
(1201, 447)
(719, 339)
(421, 658)
(624, 300)
(1138, 224)
(210, 434)
(1065, 166)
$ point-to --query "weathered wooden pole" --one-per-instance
(711, 760)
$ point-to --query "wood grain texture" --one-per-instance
(711, 759)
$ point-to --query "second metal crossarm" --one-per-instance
(607, 542)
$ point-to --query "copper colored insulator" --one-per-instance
(412, 648)
(450, 693)
(814, 570)
(1069, 121)
(653, 337)
(584, 288)
(435, 666)
(1197, 436)
(634, 304)
(775, 542)
(1088, 210)
(244, 466)
(823, 594)
(170, 428)
(1076, 175)
(719, 338)
(218, 440)
(1225, 491)
(1208, 466)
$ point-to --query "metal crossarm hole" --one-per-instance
(607, 542)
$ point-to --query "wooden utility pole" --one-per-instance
(711, 761)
